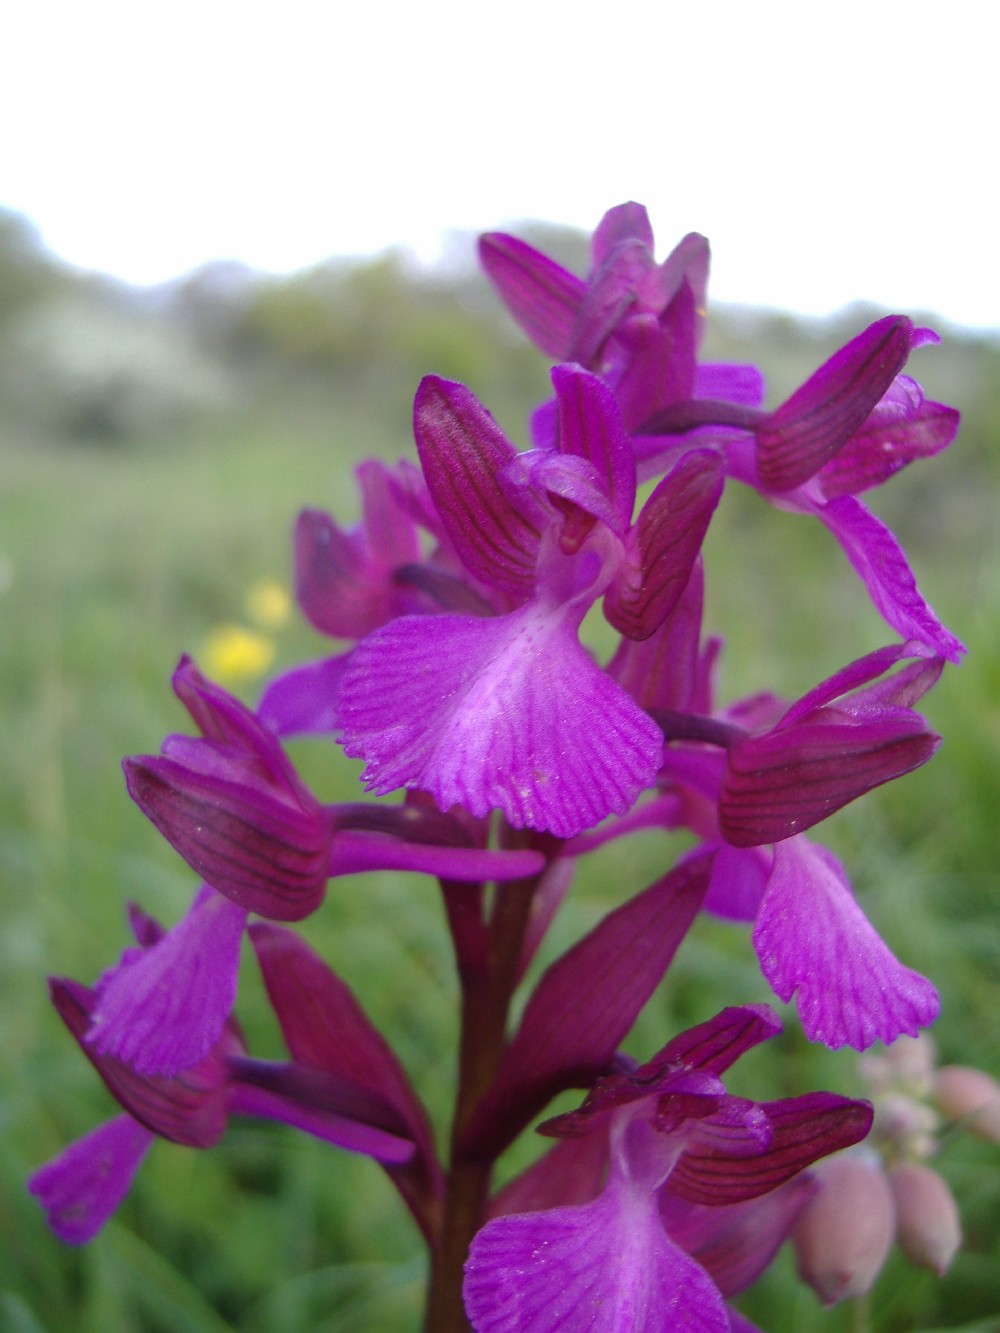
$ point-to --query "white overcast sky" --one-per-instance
(831, 153)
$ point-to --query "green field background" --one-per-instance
(129, 530)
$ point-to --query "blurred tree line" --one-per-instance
(85, 357)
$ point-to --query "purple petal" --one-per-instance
(162, 1010)
(882, 566)
(234, 730)
(610, 295)
(729, 384)
(509, 713)
(541, 295)
(716, 1044)
(659, 359)
(391, 537)
(852, 690)
(339, 591)
(663, 670)
(586, 1002)
(302, 702)
(810, 427)
(735, 1243)
(667, 542)
(325, 1028)
(355, 852)
(82, 1187)
(463, 451)
(572, 486)
(624, 222)
(899, 429)
(784, 782)
(188, 1109)
(686, 265)
(265, 855)
(813, 941)
(590, 426)
(739, 878)
(803, 1130)
(607, 1265)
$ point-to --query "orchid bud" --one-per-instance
(968, 1094)
(928, 1227)
(845, 1231)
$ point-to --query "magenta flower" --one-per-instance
(851, 426)
(485, 710)
(761, 772)
(671, 1132)
(82, 1187)
(636, 323)
(232, 805)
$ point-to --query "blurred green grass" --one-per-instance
(113, 561)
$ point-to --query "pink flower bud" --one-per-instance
(968, 1094)
(928, 1227)
(844, 1233)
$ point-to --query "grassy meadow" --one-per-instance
(118, 554)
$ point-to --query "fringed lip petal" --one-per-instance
(608, 1264)
(163, 1008)
(814, 942)
(82, 1187)
(487, 714)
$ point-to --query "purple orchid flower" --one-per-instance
(232, 805)
(849, 427)
(761, 772)
(485, 711)
(672, 1133)
(636, 323)
(853, 424)
(84, 1185)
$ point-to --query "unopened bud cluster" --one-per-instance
(886, 1191)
